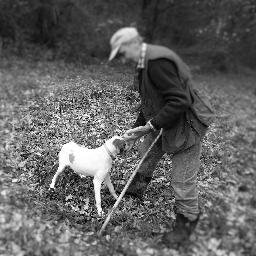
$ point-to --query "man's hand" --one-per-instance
(136, 133)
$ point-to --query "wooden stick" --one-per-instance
(127, 185)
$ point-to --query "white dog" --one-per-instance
(91, 162)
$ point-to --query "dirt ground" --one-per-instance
(46, 104)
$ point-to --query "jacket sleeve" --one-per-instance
(140, 120)
(163, 74)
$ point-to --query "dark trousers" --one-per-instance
(182, 173)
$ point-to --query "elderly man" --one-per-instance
(168, 102)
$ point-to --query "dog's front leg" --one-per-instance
(110, 186)
(97, 187)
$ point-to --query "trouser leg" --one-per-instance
(145, 172)
(185, 166)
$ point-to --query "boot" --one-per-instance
(180, 233)
(138, 186)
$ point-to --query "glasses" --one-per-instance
(120, 55)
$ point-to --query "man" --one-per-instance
(168, 102)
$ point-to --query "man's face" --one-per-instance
(129, 52)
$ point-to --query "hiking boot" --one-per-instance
(180, 233)
(138, 186)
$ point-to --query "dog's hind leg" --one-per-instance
(60, 169)
(63, 162)
(97, 187)
(110, 186)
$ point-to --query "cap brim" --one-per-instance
(113, 53)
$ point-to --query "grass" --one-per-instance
(46, 104)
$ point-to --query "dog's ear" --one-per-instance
(120, 144)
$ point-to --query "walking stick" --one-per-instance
(127, 185)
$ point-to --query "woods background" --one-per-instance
(218, 34)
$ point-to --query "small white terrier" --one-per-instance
(91, 162)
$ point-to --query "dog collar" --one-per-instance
(109, 152)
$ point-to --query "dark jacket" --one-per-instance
(168, 101)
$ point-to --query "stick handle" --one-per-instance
(127, 185)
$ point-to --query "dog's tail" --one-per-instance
(54, 165)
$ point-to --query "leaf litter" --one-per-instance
(46, 104)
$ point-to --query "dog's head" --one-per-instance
(120, 144)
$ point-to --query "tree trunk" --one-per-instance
(150, 15)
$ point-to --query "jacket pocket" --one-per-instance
(202, 109)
